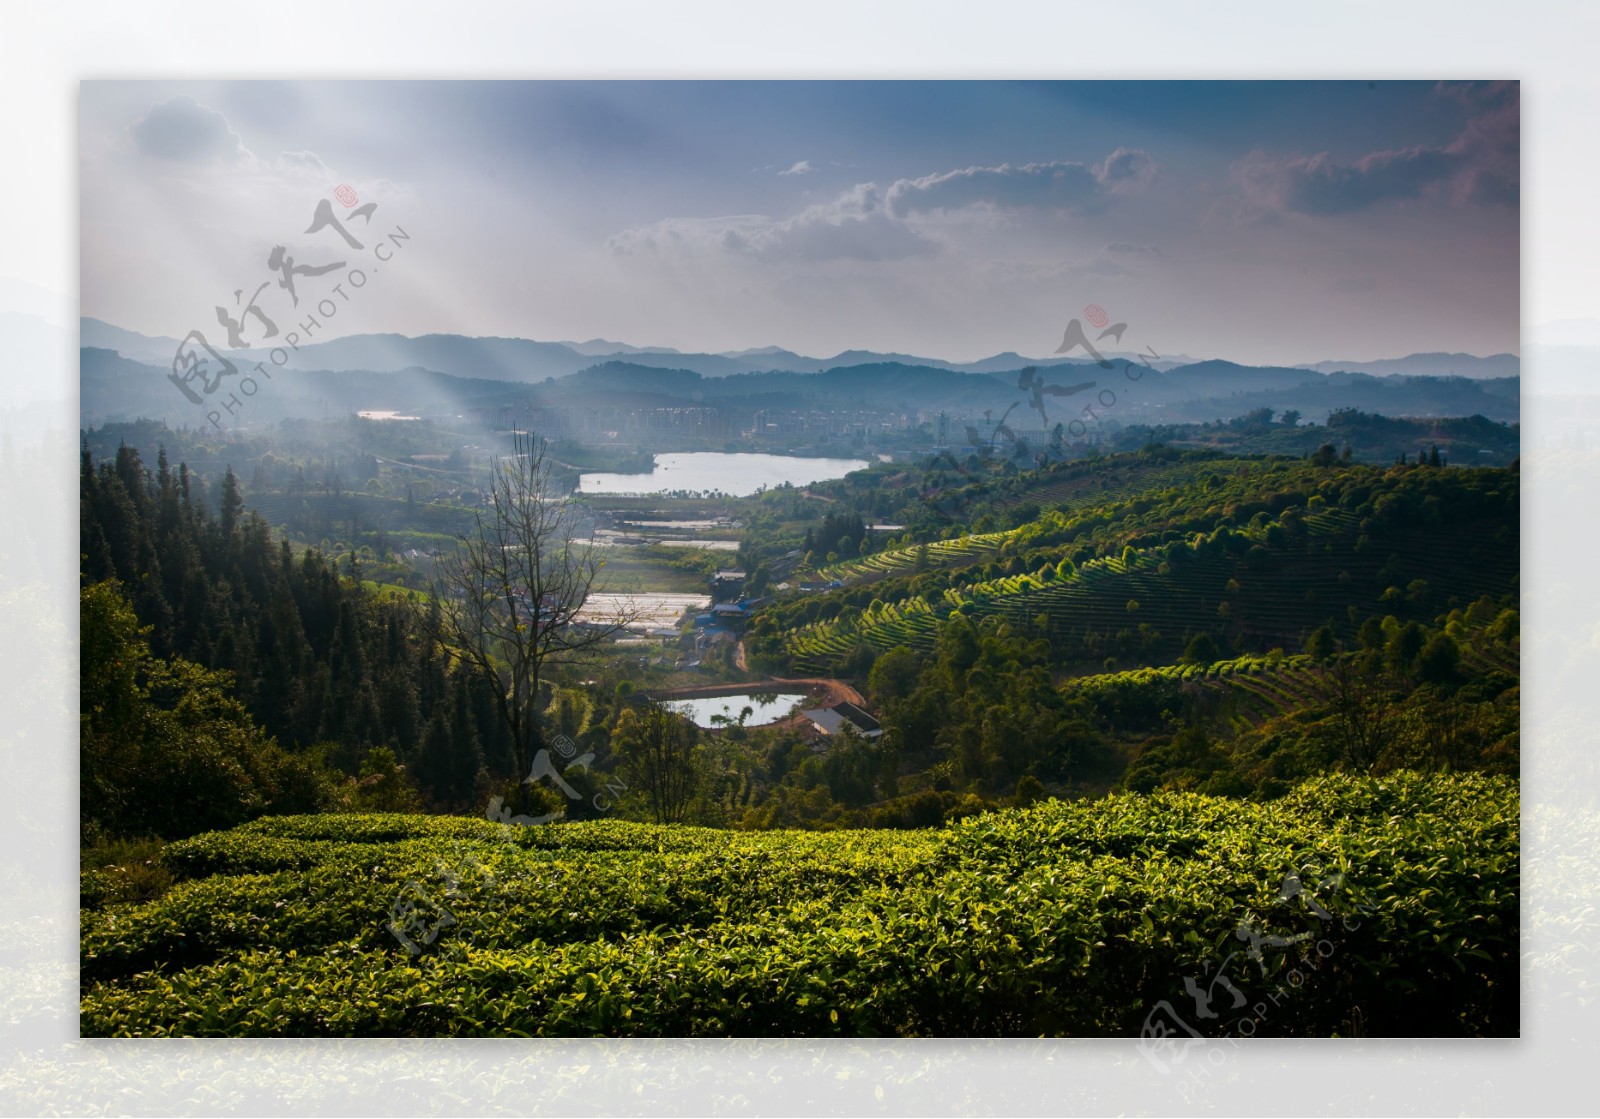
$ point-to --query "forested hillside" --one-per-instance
(348, 679)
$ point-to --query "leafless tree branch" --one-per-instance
(514, 589)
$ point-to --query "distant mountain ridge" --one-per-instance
(123, 375)
(1428, 365)
(114, 387)
(526, 361)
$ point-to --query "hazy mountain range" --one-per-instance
(124, 376)
(1429, 365)
(525, 360)
(114, 387)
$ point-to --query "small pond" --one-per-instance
(766, 707)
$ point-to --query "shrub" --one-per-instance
(1063, 918)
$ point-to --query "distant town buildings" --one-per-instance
(788, 424)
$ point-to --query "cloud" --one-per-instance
(1321, 185)
(1480, 166)
(1480, 95)
(1056, 185)
(1491, 146)
(1126, 169)
(1130, 249)
(868, 223)
(854, 226)
(185, 131)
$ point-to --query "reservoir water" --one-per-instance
(737, 475)
(767, 707)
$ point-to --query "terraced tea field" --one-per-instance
(1280, 601)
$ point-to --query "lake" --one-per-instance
(768, 707)
(737, 475)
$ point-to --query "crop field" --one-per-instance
(1380, 906)
(1262, 687)
(938, 553)
(1082, 489)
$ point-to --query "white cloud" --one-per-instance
(854, 226)
(1057, 185)
(185, 131)
(1125, 170)
(866, 223)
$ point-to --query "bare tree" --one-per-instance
(514, 589)
(1453, 731)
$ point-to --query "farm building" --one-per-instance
(832, 720)
(726, 585)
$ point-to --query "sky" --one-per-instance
(1262, 222)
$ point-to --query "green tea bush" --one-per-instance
(1056, 919)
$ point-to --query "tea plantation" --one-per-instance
(1367, 906)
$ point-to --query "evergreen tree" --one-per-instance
(232, 503)
(312, 658)
(1321, 645)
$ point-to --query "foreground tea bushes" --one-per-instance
(1057, 919)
